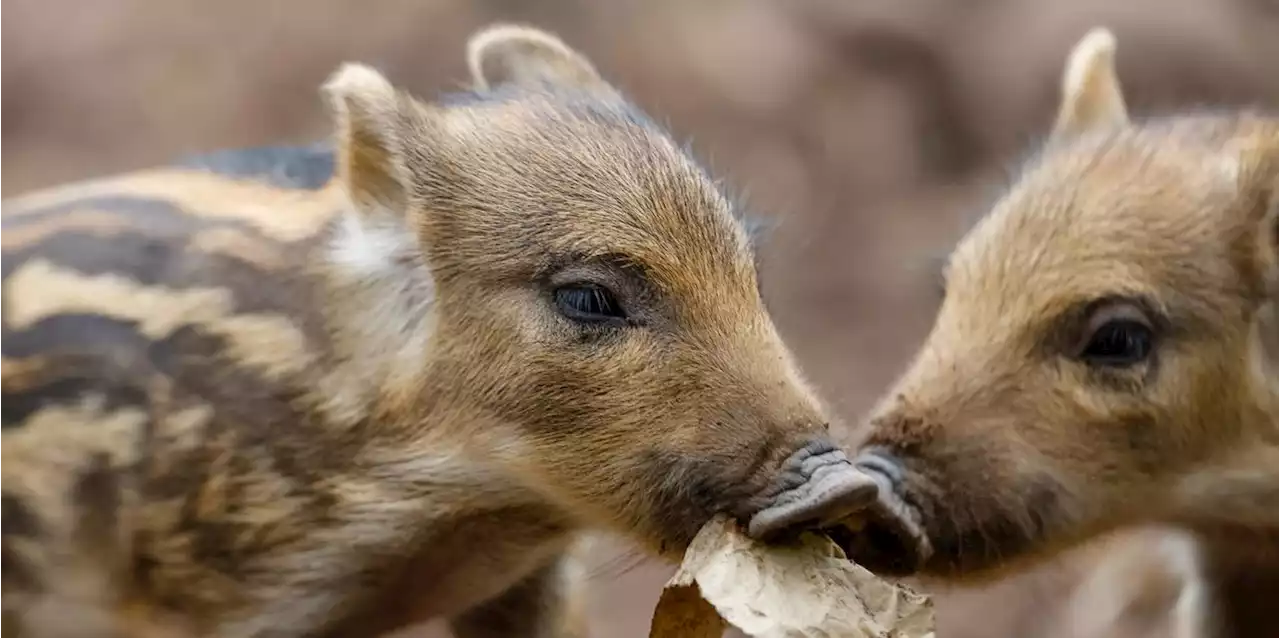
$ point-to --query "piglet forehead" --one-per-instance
(1103, 216)
(590, 178)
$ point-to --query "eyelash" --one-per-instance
(1119, 343)
(589, 304)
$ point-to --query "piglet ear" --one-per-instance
(1091, 94)
(371, 121)
(529, 57)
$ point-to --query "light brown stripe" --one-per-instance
(283, 214)
(236, 243)
(269, 342)
(104, 223)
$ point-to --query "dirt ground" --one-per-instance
(873, 131)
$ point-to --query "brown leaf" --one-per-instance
(807, 589)
(682, 613)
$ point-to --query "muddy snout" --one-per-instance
(817, 487)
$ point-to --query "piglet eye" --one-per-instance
(1118, 343)
(588, 303)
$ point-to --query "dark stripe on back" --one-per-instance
(112, 353)
(294, 167)
(259, 432)
(65, 383)
(168, 263)
(70, 389)
(98, 495)
(17, 519)
(76, 334)
(159, 216)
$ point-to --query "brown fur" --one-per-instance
(324, 411)
(1017, 443)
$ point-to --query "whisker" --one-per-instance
(618, 565)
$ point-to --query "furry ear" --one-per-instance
(1091, 95)
(525, 56)
(369, 117)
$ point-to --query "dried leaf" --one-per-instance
(682, 612)
(803, 590)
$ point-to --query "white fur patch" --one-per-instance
(1126, 589)
(371, 249)
(384, 290)
(1230, 167)
(1184, 559)
(358, 81)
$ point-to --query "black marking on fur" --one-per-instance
(72, 334)
(146, 259)
(254, 425)
(98, 496)
(17, 519)
(70, 389)
(167, 262)
(307, 167)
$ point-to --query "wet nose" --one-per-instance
(816, 486)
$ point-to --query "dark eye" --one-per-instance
(589, 303)
(1118, 343)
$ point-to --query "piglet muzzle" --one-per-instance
(817, 487)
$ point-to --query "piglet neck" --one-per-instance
(377, 298)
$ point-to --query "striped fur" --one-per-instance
(308, 393)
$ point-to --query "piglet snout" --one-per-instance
(887, 537)
(818, 486)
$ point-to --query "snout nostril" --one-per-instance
(882, 462)
(818, 485)
(813, 463)
(799, 466)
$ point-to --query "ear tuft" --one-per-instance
(1091, 94)
(354, 81)
(1096, 49)
(527, 56)
(368, 112)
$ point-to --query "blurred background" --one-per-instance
(873, 132)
